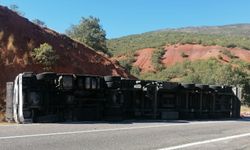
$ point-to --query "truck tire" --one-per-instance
(94, 83)
(127, 83)
(170, 86)
(46, 76)
(188, 85)
(131, 83)
(202, 86)
(87, 83)
(112, 78)
(215, 87)
(113, 85)
(28, 74)
(227, 89)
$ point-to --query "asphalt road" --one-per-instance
(127, 135)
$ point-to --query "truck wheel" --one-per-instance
(202, 86)
(28, 74)
(113, 85)
(127, 83)
(93, 83)
(87, 83)
(46, 76)
(188, 86)
(170, 86)
(215, 87)
(112, 78)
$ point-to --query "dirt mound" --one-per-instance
(180, 53)
(143, 59)
(19, 36)
(191, 52)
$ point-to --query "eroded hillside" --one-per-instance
(18, 38)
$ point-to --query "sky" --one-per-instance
(125, 17)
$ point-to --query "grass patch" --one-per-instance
(229, 54)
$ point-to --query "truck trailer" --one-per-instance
(59, 97)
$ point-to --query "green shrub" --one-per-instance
(45, 55)
(229, 54)
(184, 55)
(231, 45)
(135, 71)
(156, 59)
(39, 22)
(125, 64)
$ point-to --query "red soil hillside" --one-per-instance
(174, 53)
(18, 37)
(191, 52)
(143, 59)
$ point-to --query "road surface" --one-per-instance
(230, 134)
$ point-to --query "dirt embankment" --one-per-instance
(180, 53)
(19, 36)
(191, 52)
(144, 59)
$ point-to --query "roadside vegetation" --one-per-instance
(90, 32)
(127, 62)
(157, 57)
(228, 54)
(16, 9)
(45, 55)
(39, 22)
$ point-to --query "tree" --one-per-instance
(39, 23)
(15, 8)
(90, 32)
(45, 55)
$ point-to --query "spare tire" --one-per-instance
(112, 78)
(202, 86)
(188, 85)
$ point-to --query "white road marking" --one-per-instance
(112, 129)
(18, 125)
(206, 142)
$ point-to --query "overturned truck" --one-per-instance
(56, 97)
